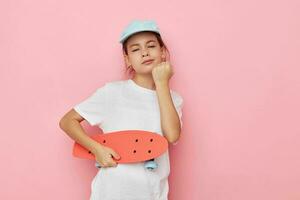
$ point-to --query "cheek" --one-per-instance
(156, 53)
(157, 56)
(136, 59)
(133, 58)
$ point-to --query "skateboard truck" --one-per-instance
(149, 164)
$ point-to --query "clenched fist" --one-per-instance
(162, 72)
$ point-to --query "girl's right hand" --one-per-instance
(105, 156)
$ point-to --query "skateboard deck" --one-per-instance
(131, 145)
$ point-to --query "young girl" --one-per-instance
(144, 102)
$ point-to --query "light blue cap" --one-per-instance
(138, 26)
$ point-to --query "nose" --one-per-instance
(145, 53)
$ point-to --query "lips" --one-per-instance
(148, 61)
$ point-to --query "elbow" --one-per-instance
(62, 123)
(173, 139)
(172, 135)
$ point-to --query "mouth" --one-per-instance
(147, 62)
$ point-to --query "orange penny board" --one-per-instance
(131, 145)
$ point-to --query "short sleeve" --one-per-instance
(93, 108)
(178, 106)
(178, 103)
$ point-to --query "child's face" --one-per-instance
(143, 46)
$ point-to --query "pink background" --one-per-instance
(236, 64)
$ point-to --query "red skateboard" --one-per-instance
(131, 145)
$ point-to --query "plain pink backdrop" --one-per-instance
(236, 65)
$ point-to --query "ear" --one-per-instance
(126, 59)
(164, 54)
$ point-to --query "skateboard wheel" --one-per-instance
(150, 164)
(97, 165)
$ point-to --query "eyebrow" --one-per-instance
(138, 44)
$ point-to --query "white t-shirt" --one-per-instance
(124, 105)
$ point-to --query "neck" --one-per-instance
(145, 81)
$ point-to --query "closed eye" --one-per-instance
(138, 49)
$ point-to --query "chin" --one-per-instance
(148, 70)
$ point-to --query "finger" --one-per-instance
(104, 164)
(100, 162)
(112, 164)
(115, 155)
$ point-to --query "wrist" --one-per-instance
(162, 84)
(96, 147)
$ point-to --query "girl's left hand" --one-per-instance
(162, 72)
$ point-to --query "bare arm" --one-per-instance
(169, 118)
(70, 124)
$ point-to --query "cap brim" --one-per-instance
(122, 40)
